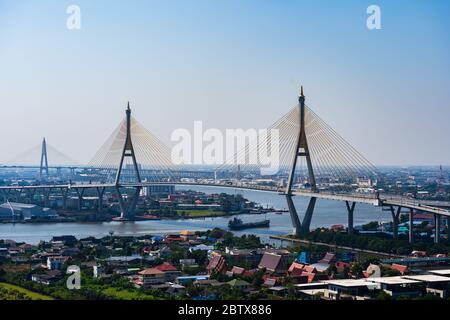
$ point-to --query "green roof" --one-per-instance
(238, 283)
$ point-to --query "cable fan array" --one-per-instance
(153, 157)
(32, 157)
(333, 159)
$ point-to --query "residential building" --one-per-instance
(152, 276)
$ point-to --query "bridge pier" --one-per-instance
(100, 192)
(395, 220)
(350, 210)
(47, 197)
(127, 209)
(437, 226)
(411, 226)
(308, 215)
(80, 197)
(301, 228)
(64, 192)
(294, 216)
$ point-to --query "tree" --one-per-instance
(356, 270)
(382, 295)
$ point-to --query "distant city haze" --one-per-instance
(230, 64)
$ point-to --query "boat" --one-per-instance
(238, 224)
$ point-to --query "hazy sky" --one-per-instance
(232, 64)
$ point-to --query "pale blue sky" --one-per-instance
(232, 64)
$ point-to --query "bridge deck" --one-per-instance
(421, 205)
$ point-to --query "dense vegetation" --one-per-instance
(376, 242)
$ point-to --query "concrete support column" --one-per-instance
(100, 192)
(64, 193)
(296, 225)
(437, 226)
(350, 210)
(80, 198)
(308, 215)
(395, 221)
(411, 225)
(47, 197)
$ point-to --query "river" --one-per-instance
(326, 213)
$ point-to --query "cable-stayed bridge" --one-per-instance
(314, 161)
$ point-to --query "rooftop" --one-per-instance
(348, 283)
(151, 271)
(442, 272)
(429, 278)
(392, 280)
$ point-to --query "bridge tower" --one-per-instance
(44, 159)
(301, 150)
(127, 209)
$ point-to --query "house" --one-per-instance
(66, 240)
(176, 289)
(304, 257)
(337, 227)
(341, 266)
(152, 276)
(346, 289)
(47, 278)
(201, 247)
(170, 271)
(25, 247)
(188, 263)
(237, 271)
(248, 257)
(328, 258)
(217, 264)
(187, 235)
(434, 284)
(190, 279)
(295, 269)
(56, 262)
(397, 286)
(4, 252)
(279, 290)
(207, 283)
(270, 282)
(239, 284)
(274, 263)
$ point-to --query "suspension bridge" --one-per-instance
(314, 161)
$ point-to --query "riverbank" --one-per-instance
(334, 246)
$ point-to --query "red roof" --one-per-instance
(166, 267)
(400, 268)
(150, 271)
(249, 273)
(237, 270)
(296, 268)
(273, 262)
(309, 269)
(270, 282)
(217, 264)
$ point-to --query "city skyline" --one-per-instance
(213, 63)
